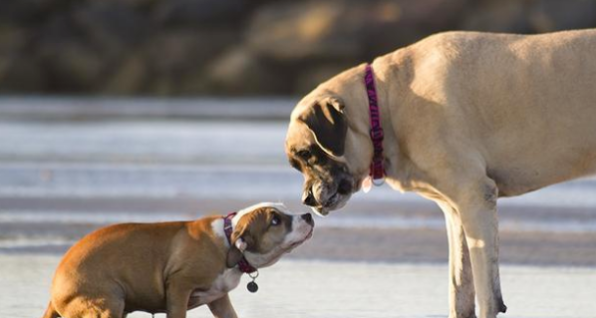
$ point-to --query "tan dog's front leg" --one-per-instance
(478, 211)
(222, 308)
(177, 301)
(461, 280)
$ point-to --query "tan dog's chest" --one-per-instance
(224, 283)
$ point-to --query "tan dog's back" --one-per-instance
(510, 97)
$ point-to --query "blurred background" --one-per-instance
(234, 47)
(157, 110)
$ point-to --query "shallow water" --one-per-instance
(62, 177)
(207, 160)
(173, 157)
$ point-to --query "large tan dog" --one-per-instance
(468, 117)
(171, 267)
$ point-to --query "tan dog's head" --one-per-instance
(315, 146)
(328, 141)
(264, 232)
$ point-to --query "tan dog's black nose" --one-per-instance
(308, 198)
(308, 218)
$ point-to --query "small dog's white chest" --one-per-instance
(224, 283)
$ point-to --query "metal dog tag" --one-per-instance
(252, 287)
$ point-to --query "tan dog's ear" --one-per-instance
(328, 124)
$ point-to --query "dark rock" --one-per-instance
(310, 77)
(13, 38)
(173, 47)
(345, 30)
(72, 67)
(182, 49)
(398, 23)
(20, 74)
(140, 5)
(110, 27)
(130, 77)
(239, 72)
(554, 15)
(431, 15)
(304, 30)
(498, 16)
(201, 12)
(27, 12)
(70, 63)
(80, 48)
(178, 58)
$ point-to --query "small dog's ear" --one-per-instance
(240, 244)
(327, 122)
(242, 240)
(236, 252)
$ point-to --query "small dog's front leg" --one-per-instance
(177, 301)
(222, 308)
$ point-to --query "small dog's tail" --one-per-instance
(51, 311)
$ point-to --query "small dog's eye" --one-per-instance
(275, 220)
(304, 154)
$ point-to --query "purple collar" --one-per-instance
(244, 266)
(377, 171)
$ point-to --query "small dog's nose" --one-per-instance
(308, 218)
(308, 198)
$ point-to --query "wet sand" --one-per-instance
(381, 245)
(411, 233)
(317, 289)
(67, 173)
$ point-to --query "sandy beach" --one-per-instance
(345, 243)
(383, 255)
(323, 289)
(363, 231)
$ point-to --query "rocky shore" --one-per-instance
(233, 47)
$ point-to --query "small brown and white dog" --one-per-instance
(172, 267)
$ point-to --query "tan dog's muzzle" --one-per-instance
(324, 196)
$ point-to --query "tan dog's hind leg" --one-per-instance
(477, 207)
(222, 308)
(461, 280)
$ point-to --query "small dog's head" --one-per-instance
(264, 232)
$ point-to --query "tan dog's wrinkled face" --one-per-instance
(263, 233)
(315, 146)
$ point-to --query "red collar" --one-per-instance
(377, 171)
(244, 266)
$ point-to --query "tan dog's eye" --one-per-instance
(304, 154)
(275, 220)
